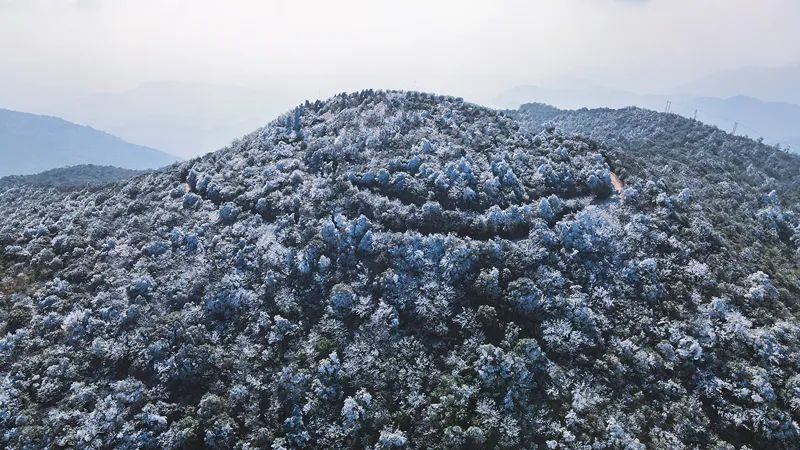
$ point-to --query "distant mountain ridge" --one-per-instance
(31, 143)
(781, 84)
(72, 177)
(776, 122)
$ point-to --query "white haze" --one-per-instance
(65, 57)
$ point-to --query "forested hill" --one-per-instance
(683, 144)
(738, 183)
(402, 270)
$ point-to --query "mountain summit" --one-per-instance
(403, 270)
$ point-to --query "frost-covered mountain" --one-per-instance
(31, 143)
(403, 270)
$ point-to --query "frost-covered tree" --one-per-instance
(403, 270)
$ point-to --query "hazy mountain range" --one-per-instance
(185, 119)
(189, 119)
(777, 84)
(776, 122)
(31, 143)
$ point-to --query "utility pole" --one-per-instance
(735, 126)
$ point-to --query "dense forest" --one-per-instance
(403, 270)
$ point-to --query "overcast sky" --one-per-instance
(469, 48)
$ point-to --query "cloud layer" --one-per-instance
(470, 48)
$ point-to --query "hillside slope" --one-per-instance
(31, 143)
(390, 270)
(732, 177)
